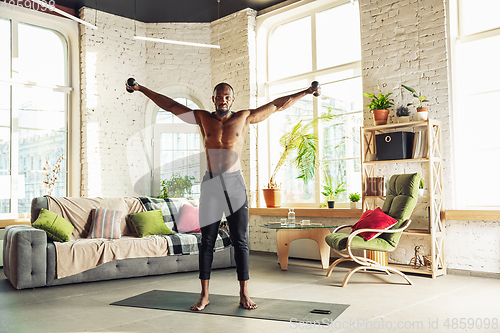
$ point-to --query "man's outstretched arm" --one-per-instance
(261, 113)
(167, 104)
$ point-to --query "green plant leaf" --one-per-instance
(408, 88)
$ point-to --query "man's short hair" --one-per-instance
(223, 84)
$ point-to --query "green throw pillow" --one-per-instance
(56, 227)
(149, 223)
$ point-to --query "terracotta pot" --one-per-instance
(272, 196)
(380, 116)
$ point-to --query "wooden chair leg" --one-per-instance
(335, 263)
(377, 268)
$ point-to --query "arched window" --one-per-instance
(34, 99)
(177, 148)
(302, 45)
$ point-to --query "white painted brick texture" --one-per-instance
(110, 116)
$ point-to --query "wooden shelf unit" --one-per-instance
(433, 177)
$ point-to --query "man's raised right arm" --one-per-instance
(166, 103)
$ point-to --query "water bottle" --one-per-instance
(291, 218)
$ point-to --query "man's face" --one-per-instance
(223, 100)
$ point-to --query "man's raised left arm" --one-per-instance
(263, 112)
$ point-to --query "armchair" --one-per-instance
(399, 204)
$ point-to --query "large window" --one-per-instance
(476, 91)
(33, 113)
(177, 147)
(323, 44)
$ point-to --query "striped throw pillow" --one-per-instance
(105, 224)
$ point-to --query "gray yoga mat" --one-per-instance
(268, 308)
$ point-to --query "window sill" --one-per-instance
(472, 215)
(308, 212)
(7, 222)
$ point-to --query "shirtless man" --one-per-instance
(223, 189)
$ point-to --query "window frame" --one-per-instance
(67, 30)
(266, 25)
(160, 128)
(457, 37)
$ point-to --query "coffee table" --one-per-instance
(285, 235)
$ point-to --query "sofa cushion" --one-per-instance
(189, 219)
(149, 223)
(106, 224)
(170, 208)
(375, 219)
(57, 228)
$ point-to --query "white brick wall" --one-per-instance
(235, 63)
(110, 115)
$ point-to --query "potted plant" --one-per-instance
(421, 187)
(176, 187)
(380, 107)
(403, 114)
(422, 111)
(354, 198)
(305, 145)
(330, 193)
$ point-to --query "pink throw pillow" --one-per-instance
(189, 220)
(374, 219)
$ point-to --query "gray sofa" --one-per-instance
(30, 260)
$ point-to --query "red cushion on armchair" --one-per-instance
(374, 219)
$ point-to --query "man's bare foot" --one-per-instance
(200, 304)
(247, 303)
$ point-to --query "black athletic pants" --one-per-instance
(223, 193)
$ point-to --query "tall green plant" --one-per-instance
(176, 187)
(305, 144)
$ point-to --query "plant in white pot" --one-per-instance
(305, 145)
(354, 199)
(421, 187)
(422, 111)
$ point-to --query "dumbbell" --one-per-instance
(131, 82)
(315, 86)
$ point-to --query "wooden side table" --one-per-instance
(285, 235)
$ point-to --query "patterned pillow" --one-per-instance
(105, 224)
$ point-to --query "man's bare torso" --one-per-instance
(222, 139)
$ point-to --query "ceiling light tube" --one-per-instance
(168, 41)
(63, 13)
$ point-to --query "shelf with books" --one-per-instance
(426, 151)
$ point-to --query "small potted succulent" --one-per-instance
(421, 187)
(422, 111)
(380, 107)
(354, 198)
(403, 114)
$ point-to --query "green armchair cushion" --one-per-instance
(338, 241)
(401, 199)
